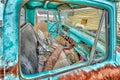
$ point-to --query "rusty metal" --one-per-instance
(9, 70)
(108, 72)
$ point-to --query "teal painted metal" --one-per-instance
(79, 36)
(1, 47)
(10, 37)
(117, 58)
(30, 16)
(53, 26)
(110, 7)
(32, 4)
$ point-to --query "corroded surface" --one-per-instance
(107, 72)
(9, 70)
(1, 47)
(10, 38)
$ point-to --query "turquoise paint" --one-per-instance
(82, 52)
(110, 7)
(117, 58)
(51, 29)
(10, 30)
(1, 47)
(10, 37)
(30, 16)
(1, 10)
(74, 37)
(53, 26)
(34, 4)
(78, 36)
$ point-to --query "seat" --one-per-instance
(28, 55)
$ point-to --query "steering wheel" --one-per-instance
(52, 27)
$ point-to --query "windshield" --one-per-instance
(86, 21)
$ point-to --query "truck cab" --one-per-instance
(48, 39)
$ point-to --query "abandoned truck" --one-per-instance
(58, 40)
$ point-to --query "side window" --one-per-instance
(79, 36)
(90, 23)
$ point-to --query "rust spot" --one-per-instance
(107, 72)
(2, 73)
(9, 70)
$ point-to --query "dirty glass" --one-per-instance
(40, 51)
(86, 21)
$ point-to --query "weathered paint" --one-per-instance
(1, 47)
(10, 38)
(30, 16)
